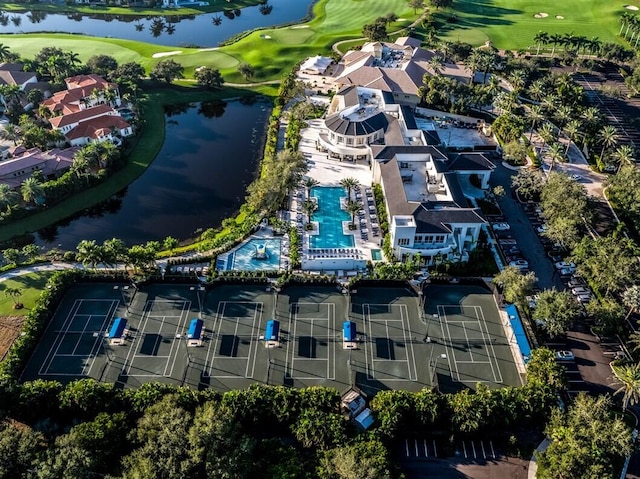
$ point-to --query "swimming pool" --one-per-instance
(243, 258)
(330, 216)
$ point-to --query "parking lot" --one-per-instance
(589, 369)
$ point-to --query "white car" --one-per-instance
(565, 356)
(567, 271)
(564, 264)
(584, 298)
(520, 263)
(578, 290)
(541, 229)
(576, 177)
(577, 283)
(501, 226)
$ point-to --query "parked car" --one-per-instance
(541, 229)
(555, 257)
(567, 271)
(578, 290)
(576, 177)
(501, 226)
(576, 283)
(610, 169)
(507, 241)
(584, 298)
(564, 264)
(520, 263)
(565, 356)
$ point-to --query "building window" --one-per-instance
(439, 239)
(457, 231)
(418, 239)
(404, 164)
(359, 141)
(428, 239)
(349, 141)
(403, 241)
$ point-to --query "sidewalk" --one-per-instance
(533, 465)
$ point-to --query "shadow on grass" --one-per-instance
(475, 14)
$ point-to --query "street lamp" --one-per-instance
(276, 291)
(198, 290)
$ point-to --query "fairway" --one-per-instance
(333, 20)
(512, 24)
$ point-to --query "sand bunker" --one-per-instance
(296, 27)
(166, 54)
(208, 49)
(559, 17)
(541, 15)
(631, 7)
(266, 37)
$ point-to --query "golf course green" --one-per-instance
(270, 51)
(512, 24)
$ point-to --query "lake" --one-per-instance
(170, 30)
(210, 155)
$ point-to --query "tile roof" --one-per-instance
(12, 77)
(82, 115)
(97, 127)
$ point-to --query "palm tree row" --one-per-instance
(630, 28)
(569, 42)
(114, 251)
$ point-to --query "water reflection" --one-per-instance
(198, 179)
(178, 30)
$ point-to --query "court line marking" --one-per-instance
(481, 322)
(217, 328)
(63, 333)
(331, 346)
(292, 357)
(148, 314)
(412, 373)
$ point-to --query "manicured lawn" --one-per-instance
(511, 24)
(271, 57)
(31, 286)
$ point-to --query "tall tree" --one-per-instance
(556, 310)
(246, 70)
(167, 70)
(628, 377)
(32, 191)
(515, 285)
(208, 77)
(608, 138)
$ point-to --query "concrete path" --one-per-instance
(533, 464)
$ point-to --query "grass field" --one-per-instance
(511, 24)
(31, 286)
(334, 20)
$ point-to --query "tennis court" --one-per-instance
(470, 345)
(455, 340)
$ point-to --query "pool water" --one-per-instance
(243, 259)
(376, 255)
(330, 216)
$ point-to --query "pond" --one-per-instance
(206, 30)
(210, 155)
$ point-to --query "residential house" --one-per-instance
(12, 74)
(25, 163)
(83, 91)
(97, 123)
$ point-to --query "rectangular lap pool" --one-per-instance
(248, 256)
(330, 217)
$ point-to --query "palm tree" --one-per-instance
(80, 165)
(631, 299)
(89, 252)
(353, 207)
(8, 196)
(628, 377)
(624, 155)
(115, 251)
(555, 39)
(10, 133)
(571, 129)
(591, 116)
(624, 22)
(217, 20)
(31, 190)
(541, 38)
(349, 184)
(535, 117)
(14, 294)
(609, 138)
(309, 207)
(309, 183)
(547, 133)
(563, 114)
(537, 90)
(5, 53)
(555, 154)
(436, 64)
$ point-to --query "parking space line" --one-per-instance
(464, 448)
(416, 444)
(473, 447)
(435, 450)
(493, 452)
(426, 451)
(406, 443)
(484, 453)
